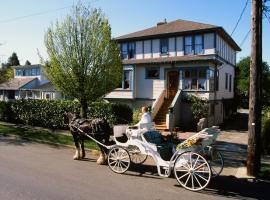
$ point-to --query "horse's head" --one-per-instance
(68, 117)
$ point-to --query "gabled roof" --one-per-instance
(177, 27)
(15, 83)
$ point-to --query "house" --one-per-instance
(29, 82)
(169, 60)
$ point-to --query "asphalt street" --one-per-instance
(30, 171)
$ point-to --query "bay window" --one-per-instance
(194, 79)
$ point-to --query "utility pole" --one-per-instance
(254, 122)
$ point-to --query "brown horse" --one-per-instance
(98, 128)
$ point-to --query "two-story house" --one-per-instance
(164, 62)
(29, 82)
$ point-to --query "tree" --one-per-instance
(242, 80)
(27, 62)
(13, 60)
(84, 62)
(6, 73)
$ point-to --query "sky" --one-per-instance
(24, 23)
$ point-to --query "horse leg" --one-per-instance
(82, 148)
(102, 157)
(76, 141)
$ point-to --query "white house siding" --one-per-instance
(120, 94)
(155, 48)
(179, 46)
(139, 52)
(148, 88)
(222, 92)
(147, 49)
(224, 50)
(209, 47)
(172, 47)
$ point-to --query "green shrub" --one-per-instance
(49, 114)
(136, 116)
(199, 107)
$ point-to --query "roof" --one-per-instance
(45, 85)
(178, 27)
(197, 58)
(15, 83)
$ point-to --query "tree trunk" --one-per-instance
(84, 108)
(254, 126)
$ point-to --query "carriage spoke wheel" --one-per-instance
(192, 171)
(118, 160)
(136, 156)
(216, 161)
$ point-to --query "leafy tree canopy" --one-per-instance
(27, 62)
(242, 80)
(84, 62)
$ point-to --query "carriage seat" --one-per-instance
(165, 148)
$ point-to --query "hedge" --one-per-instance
(49, 114)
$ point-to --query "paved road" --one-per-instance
(31, 171)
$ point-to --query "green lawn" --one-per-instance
(45, 136)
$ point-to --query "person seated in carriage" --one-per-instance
(146, 116)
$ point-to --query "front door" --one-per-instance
(173, 83)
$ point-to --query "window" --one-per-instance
(198, 46)
(34, 72)
(194, 79)
(47, 96)
(152, 73)
(188, 45)
(230, 83)
(211, 80)
(226, 81)
(19, 72)
(38, 71)
(131, 50)
(193, 44)
(164, 46)
(126, 82)
(124, 51)
(217, 81)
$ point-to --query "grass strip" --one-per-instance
(45, 136)
(265, 171)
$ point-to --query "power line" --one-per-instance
(243, 41)
(240, 17)
(32, 15)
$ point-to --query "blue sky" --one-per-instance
(24, 35)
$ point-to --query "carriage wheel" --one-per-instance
(118, 160)
(136, 156)
(192, 171)
(215, 160)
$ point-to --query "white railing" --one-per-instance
(158, 103)
(173, 116)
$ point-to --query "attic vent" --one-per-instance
(161, 23)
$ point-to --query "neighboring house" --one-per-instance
(29, 82)
(164, 62)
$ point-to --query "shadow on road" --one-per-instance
(237, 122)
(229, 186)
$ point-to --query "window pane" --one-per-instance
(198, 39)
(198, 49)
(202, 84)
(164, 45)
(202, 73)
(194, 73)
(131, 50)
(38, 71)
(188, 40)
(152, 73)
(187, 84)
(126, 80)
(194, 84)
(187, 74)
(124, 51)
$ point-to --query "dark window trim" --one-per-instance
(230, 83)
(151, 68)
(226, 81)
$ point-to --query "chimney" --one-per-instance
(161, 23)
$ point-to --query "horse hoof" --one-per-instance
(101, 160)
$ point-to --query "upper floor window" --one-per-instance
(124, 51)
(127, 79)
(131, 50)
(198, 44)
(128, 50)
(193, 44)
(164, 46)
(152, 73)
(188, 45)
(28, 72)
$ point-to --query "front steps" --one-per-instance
(160, 119)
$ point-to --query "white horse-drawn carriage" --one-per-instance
(193, 161)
